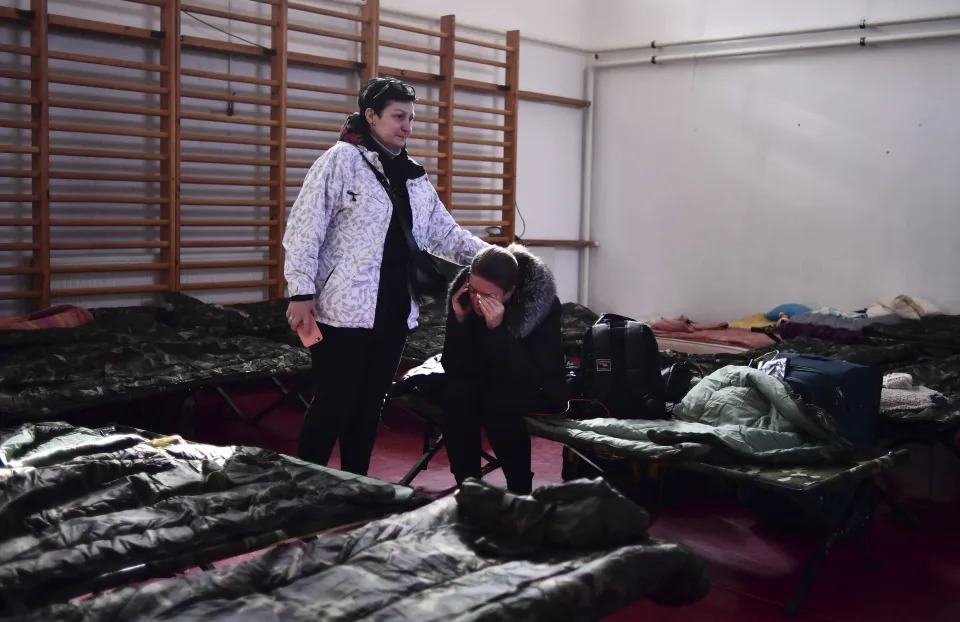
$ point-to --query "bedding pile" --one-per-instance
(928, 350)
(736, 413)
(80, 504)
(573, 551)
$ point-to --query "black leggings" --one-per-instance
(470, 405)
(353, 369)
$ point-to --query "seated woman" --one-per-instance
(502, 358)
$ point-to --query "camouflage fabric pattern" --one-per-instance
(131, 352)
(809, 477)
(575, 322)
(78, 505)
(427, 339)
(424, 565)
(712, 459)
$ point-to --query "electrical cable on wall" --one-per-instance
(230, 106)
(518, 237)
(229, 34)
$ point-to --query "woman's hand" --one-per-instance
(459, 310)
(300, 312)
(492, 311)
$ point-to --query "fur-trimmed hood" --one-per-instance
(531, 301)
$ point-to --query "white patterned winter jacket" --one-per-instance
(336, 228)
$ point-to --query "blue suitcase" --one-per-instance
(849, 392)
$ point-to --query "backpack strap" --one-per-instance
(601, 361)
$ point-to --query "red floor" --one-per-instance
(753, 572)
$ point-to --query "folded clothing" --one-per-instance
(899, 393)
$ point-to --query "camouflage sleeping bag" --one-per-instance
(131, 352)
(574, 551)
(111, 505)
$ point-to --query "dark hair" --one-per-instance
(497, 265)
(377, 93)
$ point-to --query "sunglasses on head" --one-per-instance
(406, 88)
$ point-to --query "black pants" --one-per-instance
(471, 405)
(353, 369)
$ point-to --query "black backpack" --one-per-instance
(620, 366)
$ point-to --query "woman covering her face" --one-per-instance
(503, 360)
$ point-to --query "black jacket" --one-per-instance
(525, 349)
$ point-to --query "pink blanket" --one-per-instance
(60, 316)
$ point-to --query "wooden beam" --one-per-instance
(298, 6)
(105, 129)
(17, 49)
(40, 138)
(224, 46)
(486, 44)
(91, 176)
(322, 61)
(225, 77)
(170, 146)
(476, 85)
(223, 118)
(226, 139)
(117, 289)
(76, 104)
(116, 85)
(319, 88)
(109, 267)
(499, 111)
(448, 24)
(278, 152)
(411, 75)
(408, 28)
(370, 45)
(397, 45)
(231, 15)
(326, 32)
(106, 153)
(482, 61)
(73, 23)
(553, 99)
(108, 222)
(561, 243)
(227, 97)
(226, 243)
(239, 263)
(271, 283)
(511, 103)
(9, 13)
(108, 62)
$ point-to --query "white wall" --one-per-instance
(724, 187)
(561, 21)
(624, 23)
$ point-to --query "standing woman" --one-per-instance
(349, 263)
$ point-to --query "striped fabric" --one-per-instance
(60, 316)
